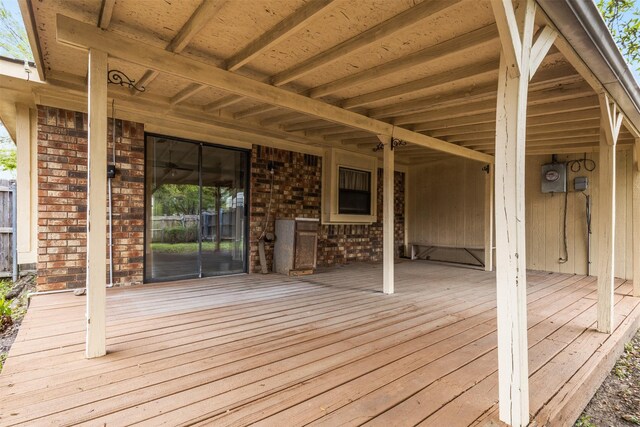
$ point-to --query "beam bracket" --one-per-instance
(395, 143)
(117, 77)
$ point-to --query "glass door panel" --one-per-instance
(195, 210)
(223, 211)
(173, 207)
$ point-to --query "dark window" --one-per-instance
(354, 192)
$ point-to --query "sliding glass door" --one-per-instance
(223, 211)
(195, 209)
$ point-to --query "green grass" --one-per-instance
(625, 365)
(185, 248)
(584, 421)
(5, 287)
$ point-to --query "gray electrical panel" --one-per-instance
(581, 183)
(554, 178)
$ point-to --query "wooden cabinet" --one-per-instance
(296, 246)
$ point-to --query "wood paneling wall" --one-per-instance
(446, 208)
(446, 203)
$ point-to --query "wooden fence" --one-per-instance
(6, 230)
(162, 226)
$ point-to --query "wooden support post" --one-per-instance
(488, 219)
(388, 215)
(97, 205)
(24, 177)
(610, 122)
(516, 35)
(636, 219)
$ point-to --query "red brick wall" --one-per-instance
(62, 180)
(62, 199)
(297, 192)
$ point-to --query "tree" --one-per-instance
(13, 37)
(623, 19)
(8, 160)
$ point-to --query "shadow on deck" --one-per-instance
(325, 349)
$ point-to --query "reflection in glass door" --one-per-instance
(195, 210)
(223, 213)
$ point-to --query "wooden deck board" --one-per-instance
(326, 349)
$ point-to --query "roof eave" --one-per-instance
(32, 34)
(582, 26)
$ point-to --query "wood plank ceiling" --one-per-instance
(430, 67)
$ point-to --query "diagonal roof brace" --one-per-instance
(81, 35)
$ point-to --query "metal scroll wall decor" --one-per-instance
(117, 77)
(395, 143)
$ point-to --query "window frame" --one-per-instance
(367, 192)
(334, 159)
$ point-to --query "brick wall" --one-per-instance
(297, 192)
(62, 199)
(340, 244)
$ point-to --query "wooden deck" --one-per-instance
(327, 349)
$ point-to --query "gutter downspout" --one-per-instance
(14, 230)
(113, 160)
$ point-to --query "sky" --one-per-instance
(12, 6)
(14, 9)
(633, 66)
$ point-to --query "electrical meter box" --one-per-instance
(581, 183)
(554, 178)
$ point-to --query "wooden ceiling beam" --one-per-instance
(195, 23)
(356, 141)
(160, 107)
(106, 12)
(489, 144)
(282, 30)
(282, 117)
(285, 28)
(539, 127)
(543, 41)
(558, 78)
(578, 63)
(81, 35)
(187, 92)
(552, 106)
(574, 148)
(532, 135)
(549, 79)
(225, 101)
(533, 141)
(446, 77)
(488, 101)
(308, 125)
(484, 118)
(326, 131)
(553, 78)
(254, 111)
(436, 52)
(381, 31)
(337, 137)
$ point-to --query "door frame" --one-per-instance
(246, 204)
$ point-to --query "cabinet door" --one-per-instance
(306, 242)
